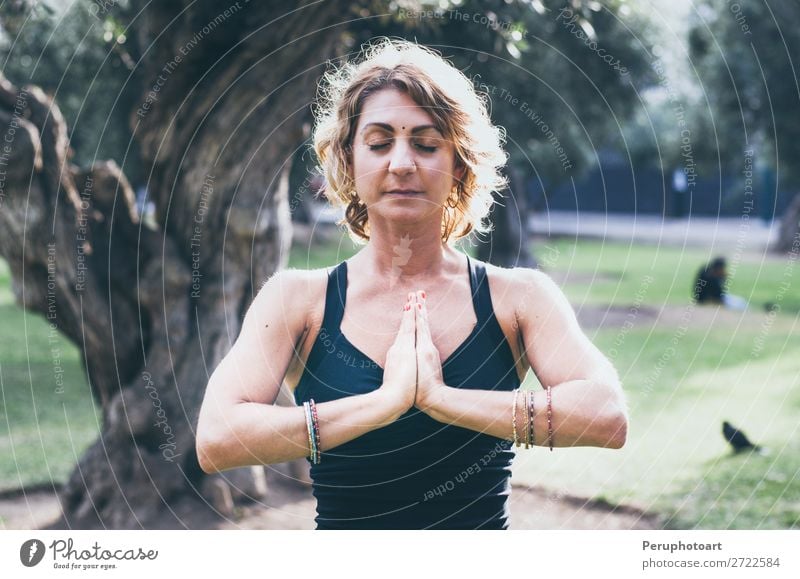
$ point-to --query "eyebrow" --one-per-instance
(390, 128)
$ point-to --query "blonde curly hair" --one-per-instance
(458, 111)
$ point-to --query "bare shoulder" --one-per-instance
(523, 284)
(295, 295)
(522, 276)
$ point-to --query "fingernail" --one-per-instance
(423, 295)
(419, 306)
(407, 307)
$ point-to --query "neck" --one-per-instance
(408, 254)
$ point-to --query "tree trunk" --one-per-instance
(789, 233)
(509, 243)
(154, 311)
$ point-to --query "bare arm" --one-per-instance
(239, 424)
(587, 399)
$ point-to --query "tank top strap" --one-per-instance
(335, 298)
(481, 297)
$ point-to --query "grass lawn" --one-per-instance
(685, 370)
(613, 273)
(47, 417)
(676, 461)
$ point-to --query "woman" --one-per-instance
(710, 286)
(407, 358)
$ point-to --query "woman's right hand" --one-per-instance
(400, 369)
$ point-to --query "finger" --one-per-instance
(423, 327)
(407, 322)
(417, 305)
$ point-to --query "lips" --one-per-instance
(403, 192)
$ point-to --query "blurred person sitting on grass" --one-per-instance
(406, 360)
(710, 286)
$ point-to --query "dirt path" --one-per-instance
(293, 508)
(531, 508)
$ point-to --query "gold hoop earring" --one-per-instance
(452, 202)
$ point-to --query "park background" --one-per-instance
(157, 172)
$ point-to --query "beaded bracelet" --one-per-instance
(312, 445)
(550, 418)
(531, 437)
(525, 403)
(315, 423)
(514, 417)
(309, 429)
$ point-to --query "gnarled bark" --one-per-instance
(508, 244)
(154, 311)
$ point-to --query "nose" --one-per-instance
(402, 159)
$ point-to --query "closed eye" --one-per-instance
(419, 146)
(425, 148)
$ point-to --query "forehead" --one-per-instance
(395, 108)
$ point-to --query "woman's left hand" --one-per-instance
(430, 380)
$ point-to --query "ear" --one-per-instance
(459, 171)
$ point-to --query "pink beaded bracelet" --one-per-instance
(317, 440)
(550, 418)
(531, 438)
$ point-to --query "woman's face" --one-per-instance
(402, 165)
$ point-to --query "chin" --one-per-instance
(407, 215)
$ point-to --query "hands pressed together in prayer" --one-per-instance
(413, 370)
(589, 409)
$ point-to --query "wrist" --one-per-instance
(392, 403)
(431, 402)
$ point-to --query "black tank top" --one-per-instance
(416, 473)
